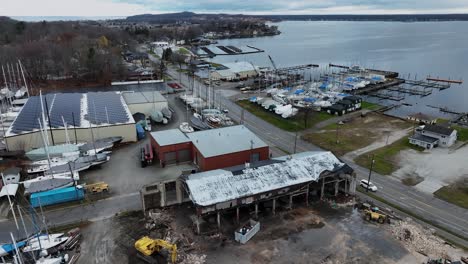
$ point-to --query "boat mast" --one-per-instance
(24, 79)
(16, 249)
(46, 138)
(46, 147)
(6, 84)
(67, 138)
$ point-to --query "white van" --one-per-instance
(365, 184)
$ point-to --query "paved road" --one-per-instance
(444, 214)
(98, 210)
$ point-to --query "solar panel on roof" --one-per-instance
(106, 108)
(66, 105)
(27, 120)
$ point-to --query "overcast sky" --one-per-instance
(132, 7)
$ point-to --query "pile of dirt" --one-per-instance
(419, 239)
(294, 221)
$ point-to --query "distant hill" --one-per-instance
(175, 17)
(188, 16)
(404, 18)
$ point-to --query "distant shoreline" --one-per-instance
(275, 18)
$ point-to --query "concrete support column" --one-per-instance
(256, 211)
(218, 218)
(322, 191)
(346, 186)
(274, 206)
(198, 224)
(290, 202)
(237, 215)
(307, 195)
(337, 184)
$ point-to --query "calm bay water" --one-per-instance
(419, 49)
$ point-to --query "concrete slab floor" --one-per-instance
(289, 237)
(124, 173)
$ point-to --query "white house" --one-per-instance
(430, 136)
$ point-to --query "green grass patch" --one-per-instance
(184, 51)
(462, 133)
(183, 70)
(339, 142)
(296, 123)
(456, 193)
(355, 133)
(216, 65)
(370, 106)
(385, 162)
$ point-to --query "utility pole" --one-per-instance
(337, 130)
(295, 142)
(370, 172)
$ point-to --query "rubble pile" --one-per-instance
(158, 217)
(160, 224)
(419, 239)
(193, 259)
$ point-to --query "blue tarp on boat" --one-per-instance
(310, 99)
(299, 91)
(6, 249)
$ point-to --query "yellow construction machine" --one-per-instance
(375, 215)
(148, 246)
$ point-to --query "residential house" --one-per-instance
(431, 136)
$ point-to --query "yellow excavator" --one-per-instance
(148, 246)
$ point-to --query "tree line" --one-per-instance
(54, 50)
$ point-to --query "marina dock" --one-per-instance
(379, 86)
(412, 91)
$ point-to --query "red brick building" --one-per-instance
(209, 149)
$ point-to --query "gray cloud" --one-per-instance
(304, 6)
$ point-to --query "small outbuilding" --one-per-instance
(145, 102)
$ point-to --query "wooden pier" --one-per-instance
(444, 80)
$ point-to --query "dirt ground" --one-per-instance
(360, 134)
(316, 234)
(439, 167)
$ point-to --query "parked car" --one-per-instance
(365, 184)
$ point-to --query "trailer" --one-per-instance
(57, 196)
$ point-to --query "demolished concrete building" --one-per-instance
(317, 173)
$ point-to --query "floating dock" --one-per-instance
(387, 96)
(427, 84)
(412, 91)
(379, 86)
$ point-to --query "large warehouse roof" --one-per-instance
(216, 142)
(217, 186)
(89, 109)
(143, 97)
